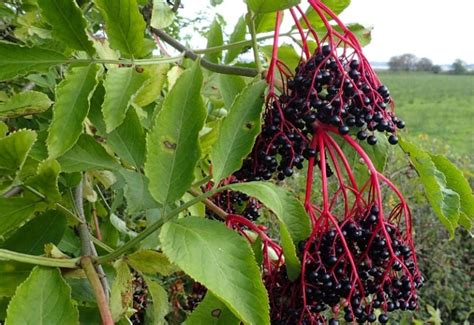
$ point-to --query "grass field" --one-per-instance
(439, 105)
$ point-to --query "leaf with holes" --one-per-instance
(44, 298)
(216, 256)
(238, 131)
(173, 143)
(69, 26)
(73, 96)
(212, 311)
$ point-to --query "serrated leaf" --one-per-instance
(46, 180)
(151, 90)
(151, 262)
(159, 308)
(173, 143)
(31, 238)
(214, 38)
(259, 6)
(212, 311)
(162, 16)
(124, 26)
(136, 192)
(24, 103)
(73, 96)
(215, 256)
(238, 131)
(14, 149)
(121, 293)
(294, 222)
(230, 86)
(14, 212)
(121, 85)
(44, 298)
(18, 60)
(69, 26)
(456, 181)
(444, 201)
(87, 154)
(237, 35)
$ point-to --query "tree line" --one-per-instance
(410, 62)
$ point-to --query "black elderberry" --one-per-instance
(393, 139)
(333, 321)
(362, 135)
(383, 318)
(372, 139)
(343, 129)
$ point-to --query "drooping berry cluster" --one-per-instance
(384, 281)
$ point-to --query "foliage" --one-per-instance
(112, 143)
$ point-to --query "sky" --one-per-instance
(440, 30)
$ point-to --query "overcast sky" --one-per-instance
(440, 30)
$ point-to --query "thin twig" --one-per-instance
(12, 192)
(101, 297)
(210, 205)
(219, 68)
(87, 246)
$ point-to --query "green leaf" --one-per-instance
(293, 265)
(15, 211)
(265, 22)
(286, 53)
(173, 143)
(162, 16)
(215, 256)
(73, 96)
(44, 298)
(230, 86)
(151, 90)
(294, 222)
(444, 201)
(216, 2)
(151, 262)
(121, 85)
(336, 6)
(87, 154)
(237, 35)
(363, 34)
(25, 103)
(136, 192)
(214, 38)
(18, 60)
(159, 308)
(69, 26)
(14, 149)
(238, 131)
(456, 181)
(46, 180)
(212, 311)
(121, 293)
(124, 26)
(31, 238)
(283, 203)
(259, 6)
(12, 274)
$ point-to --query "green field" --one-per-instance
(438, 105)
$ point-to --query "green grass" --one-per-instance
(438, 105)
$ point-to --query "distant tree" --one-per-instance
(404, 62)
(424, 64)
(459, 67)
(436, 68)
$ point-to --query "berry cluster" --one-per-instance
(233, 202)
(385, 277)
(140, 299)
